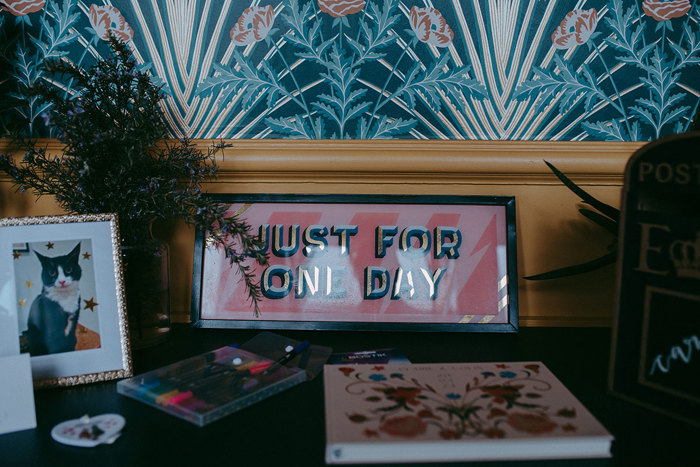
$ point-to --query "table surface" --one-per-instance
(289, 429)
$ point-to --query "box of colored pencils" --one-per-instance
(204, 388)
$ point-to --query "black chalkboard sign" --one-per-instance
(656, 336)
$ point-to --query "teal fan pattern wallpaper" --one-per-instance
(585, 70)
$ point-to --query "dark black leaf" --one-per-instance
(592, 265)
(606, 209)
(603, 221)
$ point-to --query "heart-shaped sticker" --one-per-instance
(89, 431)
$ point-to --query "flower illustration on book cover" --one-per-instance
(575, 29)
(106, 20)
(490, 406)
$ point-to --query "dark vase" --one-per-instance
(147, 284)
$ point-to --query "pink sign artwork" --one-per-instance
(370, 263)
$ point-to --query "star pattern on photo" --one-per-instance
(86, 255)
(49, 246)
(90, 304)
(16, 254)
(22, 302)
(30, 284)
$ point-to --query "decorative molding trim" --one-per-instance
(465, 162)
(401, 161)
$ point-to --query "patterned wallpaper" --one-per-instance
(617, 70)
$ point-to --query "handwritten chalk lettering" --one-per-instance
(683, 353)
(665, 172)
(416, 240)
(377, 283)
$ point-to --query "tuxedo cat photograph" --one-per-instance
(60, 316)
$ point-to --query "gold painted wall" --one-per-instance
(551, 233)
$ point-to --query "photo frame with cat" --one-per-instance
(62, 298)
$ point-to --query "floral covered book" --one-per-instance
(453, 412)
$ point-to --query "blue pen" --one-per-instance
(287, 357)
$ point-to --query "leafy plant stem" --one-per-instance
(303, 103)
(359, 34)
(663, 40)
(30, 103)
(644, 43)
(41, 33)
(620, 107)
(379, 105)
(316, 14)
(694, 120)
(386, 83)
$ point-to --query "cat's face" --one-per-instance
(61, 272)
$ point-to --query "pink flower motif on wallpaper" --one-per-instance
(22, 7)
(575, 29)
(664, 11)
(430, 27)
(107, 19)
(340, 8)
(254, 25)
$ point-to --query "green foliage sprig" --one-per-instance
(116, 158)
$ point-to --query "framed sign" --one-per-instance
(372, 262)
(656, 338)
(62, 299)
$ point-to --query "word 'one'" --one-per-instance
(325, 282)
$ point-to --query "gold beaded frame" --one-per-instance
(104, 352)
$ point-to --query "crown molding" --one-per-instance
(408, 161)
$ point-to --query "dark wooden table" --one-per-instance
(288, 429)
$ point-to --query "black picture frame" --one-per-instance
(506, 204)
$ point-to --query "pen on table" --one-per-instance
(287, 357)
(253, 370)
